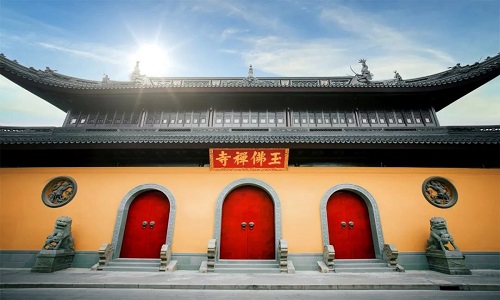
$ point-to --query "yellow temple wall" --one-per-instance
(473, 222)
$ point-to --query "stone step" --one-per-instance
(133, 265)
(363, 270)
(156, 260)
(137, 265)
(247, 266)
(247, 261)
(354, 261)
(361, 266)
(130, 269)
(246, 270)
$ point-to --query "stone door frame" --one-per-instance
(373, 212)
(121, 217)
(253, 182)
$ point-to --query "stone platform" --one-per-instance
(480, 280)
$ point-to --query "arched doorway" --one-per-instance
(349, 226)
(247, 230)
(126, 205)
(373, 214)
(146, 226)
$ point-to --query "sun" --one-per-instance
(153, 60)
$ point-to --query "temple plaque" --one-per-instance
(249, 159)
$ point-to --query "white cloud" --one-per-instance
(230, 32)
(71, 51)
(385, 48)
(332, 57)
(99, 52)
(295, 58)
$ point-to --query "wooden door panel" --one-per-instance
(261, 238)
(247, 204)
(159, 211)
(233, 244)
(336, 214)
(134, 235)
(360, 236)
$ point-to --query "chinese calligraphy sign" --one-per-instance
(260, 159)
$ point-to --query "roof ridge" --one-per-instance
(52, 77)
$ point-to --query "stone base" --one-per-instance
(449, 262)
(322, 267)
(172, 266)
(49, 261)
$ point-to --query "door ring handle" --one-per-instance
(144, 224)
(151, 224)
(251, 225)
(243, 225)
(351, 224)
(343, 224)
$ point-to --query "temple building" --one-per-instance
(240, 174)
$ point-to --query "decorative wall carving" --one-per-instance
(59, 191)
(439, 192)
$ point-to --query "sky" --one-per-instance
(221, 38)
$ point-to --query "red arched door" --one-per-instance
(349, 226)
(146, 227)
(247, 230)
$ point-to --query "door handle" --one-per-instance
(251, 225)
(144, 224)
(351, 224)
(343, 224)
(151, 224)
(243, 225)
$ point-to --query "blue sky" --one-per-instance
(90, 38)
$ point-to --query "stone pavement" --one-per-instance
(480, 280)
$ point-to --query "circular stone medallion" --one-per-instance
(439, 192)
(59, 191)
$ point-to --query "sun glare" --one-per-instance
(153, 60)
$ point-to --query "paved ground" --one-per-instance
(154, 294)
(480, 280)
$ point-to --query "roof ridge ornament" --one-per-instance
(365, 75)
(397, 77)
(136, 73)
(105, 79)
(250, 72)
(137, 77)
(250, 80)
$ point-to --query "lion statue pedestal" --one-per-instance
(58, 251)
(439, 256)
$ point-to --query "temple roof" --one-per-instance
(443, 88)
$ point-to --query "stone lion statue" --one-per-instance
(440, 236)
(60, 238)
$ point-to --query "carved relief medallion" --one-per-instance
(59, 191)
(439, 192)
